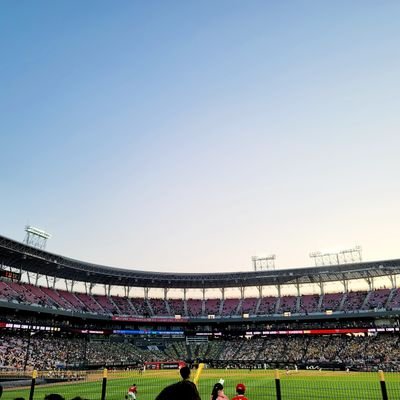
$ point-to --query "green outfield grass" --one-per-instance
(260, 384)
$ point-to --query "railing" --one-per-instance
(260, 384)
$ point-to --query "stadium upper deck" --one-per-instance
(26, 258)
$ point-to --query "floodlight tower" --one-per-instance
(341, 257)
(353, 255)
(36, 237)
(264, 263)
(322, 259)
(317, 257)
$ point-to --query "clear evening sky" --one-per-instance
(191, 135)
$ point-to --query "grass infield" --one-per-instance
(301, 385)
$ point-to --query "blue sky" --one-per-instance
(189, 136)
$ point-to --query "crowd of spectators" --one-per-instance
(45, 351)
(25, 293)
(357, 351)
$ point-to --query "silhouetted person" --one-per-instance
(53, 396)
(183, 390)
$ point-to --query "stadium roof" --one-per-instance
(26, 258)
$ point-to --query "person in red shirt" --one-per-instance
(240, 389)
(131, 395)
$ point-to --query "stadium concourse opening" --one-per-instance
(70, 320)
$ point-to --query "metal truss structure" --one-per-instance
(347, 256)
(36, 237)
(19, 257)
(264, 263)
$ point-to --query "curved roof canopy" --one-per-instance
(18, 255)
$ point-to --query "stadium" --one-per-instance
(185, 157)
(60, 319)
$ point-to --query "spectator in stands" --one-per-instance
(218, 392)
(183, 390)
(240, 389)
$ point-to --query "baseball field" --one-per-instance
(260, 384)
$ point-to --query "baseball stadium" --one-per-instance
(184, 158)
(92, 331)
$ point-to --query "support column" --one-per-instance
(370, 282)
(321, 287)
(393, 280)
(70, 288)
(203, 303)
(298, 287)
(345, 284)
(48, 281)
(278, 302)
(91, 286)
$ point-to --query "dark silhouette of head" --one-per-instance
(53, 396)
(185, 372)
(217, 387)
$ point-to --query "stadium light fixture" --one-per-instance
(264, 263)
(36, 237)
(38, 232)
(347, 256)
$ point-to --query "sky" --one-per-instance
(189, 136)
